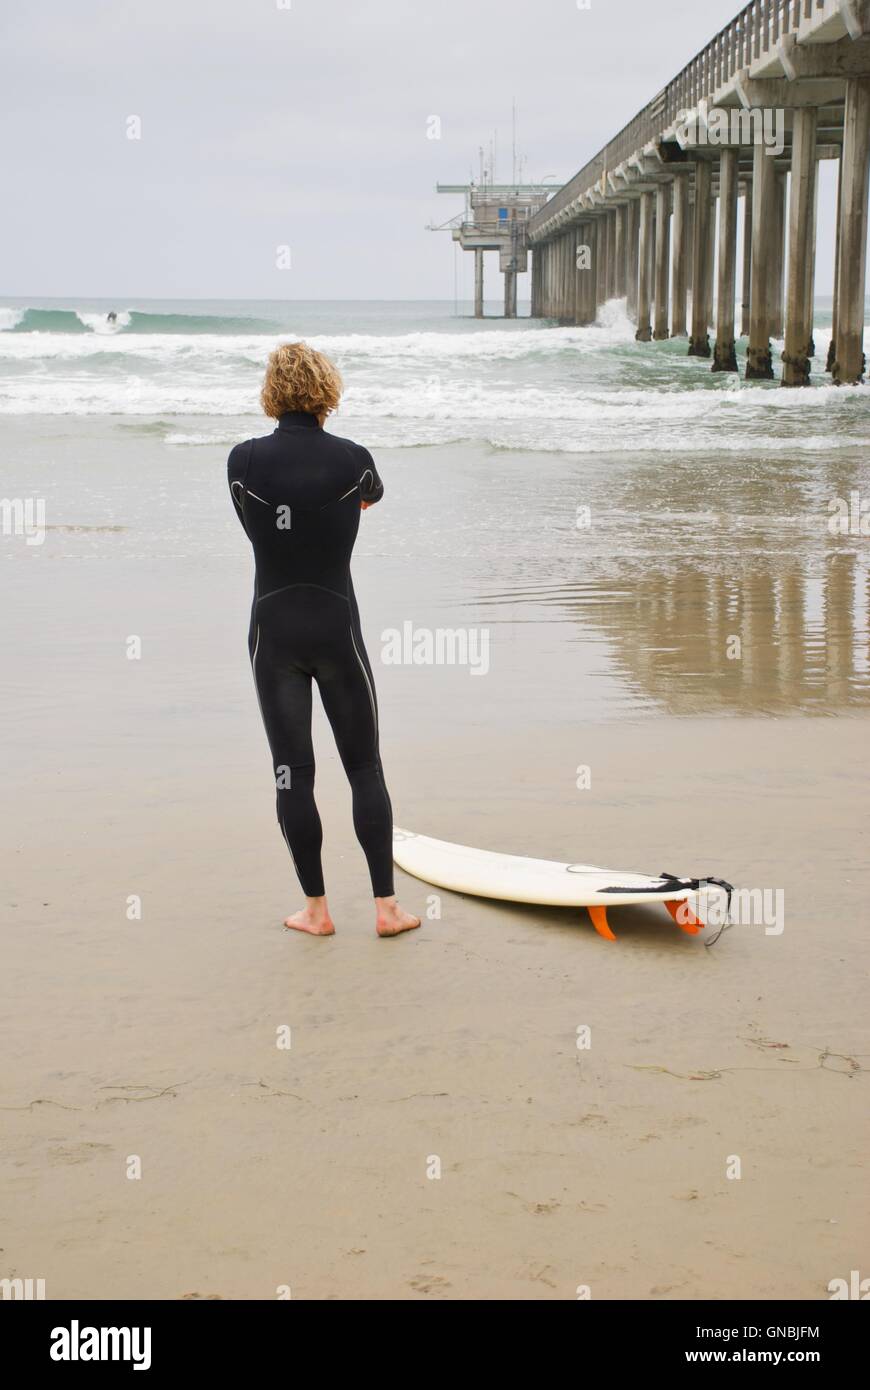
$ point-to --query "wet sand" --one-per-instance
(306, 1167)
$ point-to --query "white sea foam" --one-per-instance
(575, 389)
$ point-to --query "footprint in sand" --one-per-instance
(77, 1153)
(429, 1283)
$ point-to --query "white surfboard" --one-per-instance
(514, 878)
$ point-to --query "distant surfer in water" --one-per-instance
(111, 317)
(298, 493)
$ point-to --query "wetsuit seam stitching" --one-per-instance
(368, 685)
(303, 584)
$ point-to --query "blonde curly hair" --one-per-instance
(300, 378)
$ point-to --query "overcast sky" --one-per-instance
(304, 126)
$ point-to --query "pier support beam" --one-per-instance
(619, 252)
(611, 253)
(758, 361)
(580, 275)
(553, 257)
(510, 294)
(801, 251)
(651, 255)
(585, 304)
(849, 363)
(537, 267)
(680, 273)
(601, 263)
(577, 241)
(644, 286)
(724, 358)
(478, 282)
(747, 261)
(631, 257)
(702, 269)
(663, 259)
(777, 322)
(571, 275)
(589, 275)
(832, 346)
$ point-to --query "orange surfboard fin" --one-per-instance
(599, 922)
(684, 918)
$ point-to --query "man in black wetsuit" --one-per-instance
(298, 494)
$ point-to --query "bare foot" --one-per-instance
(392, 920)
(314, 918)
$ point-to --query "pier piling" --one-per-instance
(680, 268)
(662, 261)
(759, 366)
(702, 267)
(801, 248)
(724, 357)
(848, 367)
(644, 327)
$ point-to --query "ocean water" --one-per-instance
(415, 374)
(639, 535)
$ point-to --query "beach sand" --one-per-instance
(264, 1167)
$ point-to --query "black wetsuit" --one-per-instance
(297, 492)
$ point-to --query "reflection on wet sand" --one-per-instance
(776, 633)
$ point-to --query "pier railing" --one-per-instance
(752, 34)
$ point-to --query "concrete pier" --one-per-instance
(497, 218)
(724, 357)
(581, 275)
(681, 254)
(849, 363)
(644, 279)
(832, 346)
(619, 253)
(702, 263)
(747, 261)
(600, 262)
(801, 251)
(784, 84)
(510, 294)
(589, 299)
(777, 321)
(609, 255)
(662, 261)
(759, 365)
(632, 234)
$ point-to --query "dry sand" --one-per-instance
(308, 1167)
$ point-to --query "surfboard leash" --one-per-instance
(696, 885)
